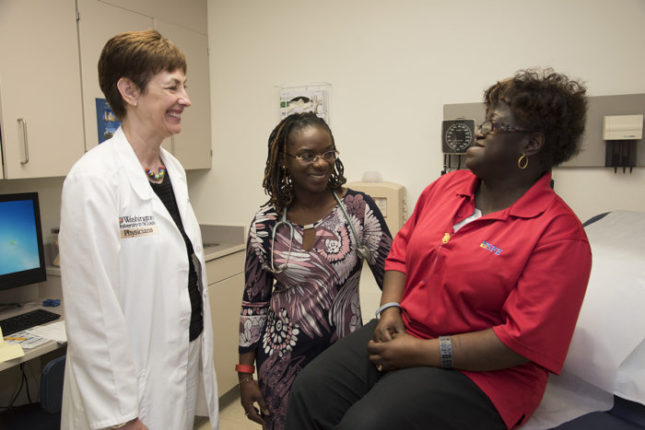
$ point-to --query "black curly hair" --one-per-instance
(545, 101)
(277, 183)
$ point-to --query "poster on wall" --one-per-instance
(106, 121)
(309, 98)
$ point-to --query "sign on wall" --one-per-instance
(310, 98)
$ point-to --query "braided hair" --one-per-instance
(277, 181)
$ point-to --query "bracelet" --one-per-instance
(248, 379)
(244, 368)
(445, 348)
(377, 314)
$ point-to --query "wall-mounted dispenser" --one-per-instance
(390, 199)
(621, 133)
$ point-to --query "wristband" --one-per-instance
(445, 348)
(377, 314)
(244, 368)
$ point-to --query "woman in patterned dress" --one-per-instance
(301, 289)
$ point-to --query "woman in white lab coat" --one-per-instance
(140, 352)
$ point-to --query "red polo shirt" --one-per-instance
(522, 271)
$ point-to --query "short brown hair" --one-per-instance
(136, 55)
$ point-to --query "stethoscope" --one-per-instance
(362, 250)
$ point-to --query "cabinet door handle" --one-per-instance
(23, 125)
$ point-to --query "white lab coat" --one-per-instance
(127, 310)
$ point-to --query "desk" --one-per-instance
(35, 358)
(31, 353)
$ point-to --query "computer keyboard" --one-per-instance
(27, 320)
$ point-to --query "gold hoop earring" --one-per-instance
(523, 162)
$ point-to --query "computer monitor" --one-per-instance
(22, 260)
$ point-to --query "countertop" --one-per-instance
(218, 250)
(221, 240)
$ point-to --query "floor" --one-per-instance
(231, 414)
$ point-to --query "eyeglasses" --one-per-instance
(311, 157)
(487, 127)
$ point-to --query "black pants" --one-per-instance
(342, 390)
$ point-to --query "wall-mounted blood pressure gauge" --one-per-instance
(457, 135)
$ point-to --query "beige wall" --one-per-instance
(49, 190)
(392, 65)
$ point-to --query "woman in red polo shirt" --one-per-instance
(482, 289)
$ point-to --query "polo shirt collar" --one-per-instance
(531, 204)
(535, 200)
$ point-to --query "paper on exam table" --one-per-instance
(630, 379)
(9, 351)
(608, 342)
(566, 398)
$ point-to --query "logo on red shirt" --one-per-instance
(490, 247)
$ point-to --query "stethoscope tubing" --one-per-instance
(362, 251)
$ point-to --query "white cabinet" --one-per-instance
(188, 14)
(226, 285)
(41, 121)
(100, 20)
(97, 23)
(193, 145)
(48, 92)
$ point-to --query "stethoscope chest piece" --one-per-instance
(362, 251)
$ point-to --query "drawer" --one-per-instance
(225, 267)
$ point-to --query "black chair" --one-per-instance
(44, 415)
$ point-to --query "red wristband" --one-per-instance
(244, 368)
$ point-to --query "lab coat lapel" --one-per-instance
(178, 181)
(132, 168)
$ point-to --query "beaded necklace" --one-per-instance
(157, 176)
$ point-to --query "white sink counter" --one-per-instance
(221, 240)
(218, 250)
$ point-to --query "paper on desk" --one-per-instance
(26, 340)
(54, 331)
(9, 351)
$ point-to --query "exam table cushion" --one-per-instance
(602, 384)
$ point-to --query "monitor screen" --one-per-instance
(22, 260)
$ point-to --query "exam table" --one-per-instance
(602, 384)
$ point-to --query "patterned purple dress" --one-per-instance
(291, 317)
